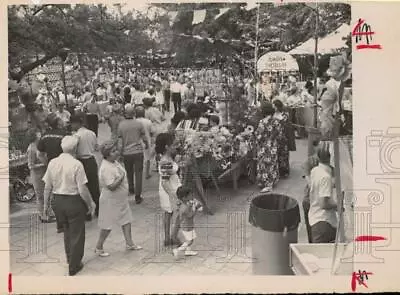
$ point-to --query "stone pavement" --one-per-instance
(223, 241)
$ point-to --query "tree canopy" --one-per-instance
(37, 33)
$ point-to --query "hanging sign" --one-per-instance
(277, 61)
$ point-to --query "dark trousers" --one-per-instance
(167, 100)
(71, 213)
(90, 166)
(323, 232)
(134, 168)
(177, 101)
(306, 209)
(92, 122)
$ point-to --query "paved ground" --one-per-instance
(223, 241)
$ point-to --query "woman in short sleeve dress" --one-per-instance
(169, 183)
(114, 205)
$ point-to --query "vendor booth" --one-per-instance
(277, 65)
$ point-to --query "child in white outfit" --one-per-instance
(187, 208)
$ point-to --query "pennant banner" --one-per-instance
(221, 12)
(211, 40)
(251, 5)
(199, 16)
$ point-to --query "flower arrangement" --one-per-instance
(217, 144)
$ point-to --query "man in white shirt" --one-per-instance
(176, 89)
(66, 179)
(322, 214)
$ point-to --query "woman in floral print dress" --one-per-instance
(268, 135)
(283, 144)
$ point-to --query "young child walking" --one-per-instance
(187, 208)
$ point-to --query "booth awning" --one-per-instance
(329, 44)
(277, 61)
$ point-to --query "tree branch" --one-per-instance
(40, 9)
(17, 76)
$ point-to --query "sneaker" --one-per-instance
(190, 253)
(101, 253)
(138, 200)
(133, 247)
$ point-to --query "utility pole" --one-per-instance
(256, 49)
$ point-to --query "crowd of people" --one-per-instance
(72, 189)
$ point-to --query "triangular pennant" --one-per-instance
(126, 32)
(311, 5)
(251, 5)
(199, 16)
(221, 12)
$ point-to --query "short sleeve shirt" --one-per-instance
(65, 174)
(321, 186)
(87, 143)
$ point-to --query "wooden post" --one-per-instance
(311, 135)
(64, 84)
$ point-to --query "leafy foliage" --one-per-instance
(37, 33)
(280, 28)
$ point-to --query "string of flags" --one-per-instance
(199, 15)
(212, 40)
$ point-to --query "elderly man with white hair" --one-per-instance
(66, 179)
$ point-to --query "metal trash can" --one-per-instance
(275, 219)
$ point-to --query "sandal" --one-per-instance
(133, 247)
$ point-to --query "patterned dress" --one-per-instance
(168, 170)
(283, 144)
(268, 135)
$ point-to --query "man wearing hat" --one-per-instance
(131, 136)
(85, 153)
(66, 179)
(323, 208)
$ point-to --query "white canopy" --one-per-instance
(277, 61)
(327, 45)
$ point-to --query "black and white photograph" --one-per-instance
(185, 139)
